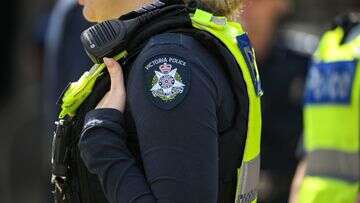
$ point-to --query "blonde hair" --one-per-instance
(221, 7)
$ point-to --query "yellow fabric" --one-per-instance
(326, 190)
(78, 91)
(227, 32)
(331, 50)
(326, 124)
(333, 126)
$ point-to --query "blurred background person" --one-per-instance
(330, 170)
(282, 61)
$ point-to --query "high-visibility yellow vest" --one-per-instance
(230, 33)
(332, 122)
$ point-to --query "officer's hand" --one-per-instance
(116, 97)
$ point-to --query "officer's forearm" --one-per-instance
(104, 153)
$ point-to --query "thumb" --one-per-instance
(116, 74)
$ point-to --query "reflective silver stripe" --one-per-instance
(334, 164)
(248, 180)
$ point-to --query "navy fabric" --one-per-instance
(179, 147)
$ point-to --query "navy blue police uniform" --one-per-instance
(174, 82)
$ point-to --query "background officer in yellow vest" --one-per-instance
(330, 170)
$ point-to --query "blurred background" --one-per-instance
(41, 41)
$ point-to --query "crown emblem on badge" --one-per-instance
(167, 83)
(165, 68)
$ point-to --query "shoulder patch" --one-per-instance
(167, 80)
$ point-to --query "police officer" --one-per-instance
(179, 101)
(330, 170)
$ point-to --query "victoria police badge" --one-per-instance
(167, 80)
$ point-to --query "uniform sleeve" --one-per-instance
(104, 152)
(177, 130)
(172, 96)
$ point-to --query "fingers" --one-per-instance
(116, 97)
(116, 74)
